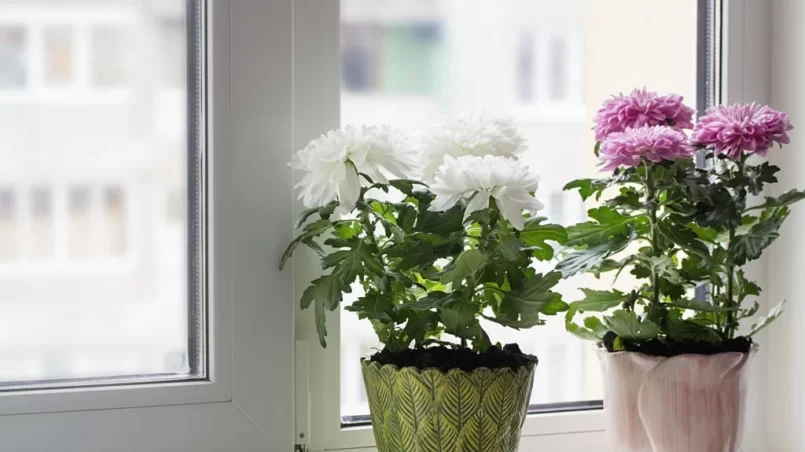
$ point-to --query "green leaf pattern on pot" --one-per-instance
(416, 410)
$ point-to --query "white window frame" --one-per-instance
(246, 403)
(747, 77)
(316, 109)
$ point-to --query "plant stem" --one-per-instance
(730, 326)
(368, 226)
(652, 204)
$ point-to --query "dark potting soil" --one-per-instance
(658, 347)
(445, 358)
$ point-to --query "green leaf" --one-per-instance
(304, 215)
(750, 246)
(608, 224)
(379, 208)
(627, 325)
(536, 236)
(467, 265)
(589, 259)
(744, 287)
(319, 225)
(323, 212)
(745, 313)
(717, 209)
(312, 244)
(348, 230)
(593, 329)
(640, 271)
(440, 223)
(629, 197)
(682, 329)
(597, 326)
(698, 305)
(598, 300)
(594, 301)
(762, 174)
(534, 295)
(421, 325)
(786, 199)
(763, 322)
(587, 187)
(406, 185)
(525, 321)
(509, 247)
(705, 234)
(374, 305)
(383, 213)
(432, 300)
(581, 332)
(325, 293)
(413, 254)
(396, 231)
(338, 243)
(310, 231)
(695, 269)
(663, 266)
(458, 318)
(351, 263)
(673, 228)
(406, 217)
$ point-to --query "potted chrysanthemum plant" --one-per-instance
(673, 356)
(428, 257)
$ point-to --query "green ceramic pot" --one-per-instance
(416, 410)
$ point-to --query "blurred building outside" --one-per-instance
(93, 227)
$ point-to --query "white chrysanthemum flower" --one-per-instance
(333, 162)
(508, 180)
(470, 134)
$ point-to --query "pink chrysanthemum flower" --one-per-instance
(737, 128)
(641, 108)
(654, 143)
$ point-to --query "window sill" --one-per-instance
(569, 431)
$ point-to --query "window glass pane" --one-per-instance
(392, 58)
(172, 69)
(559, 54)
(8, 224)
(98, 284)
(59, 54)
(525, 68)
(80, 241)
(548, 65)
(110, 56)
(114, 216)
(41, 226)
(13, 48)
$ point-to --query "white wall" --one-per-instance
(786, 265)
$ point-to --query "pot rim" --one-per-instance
(753, 349)
(365, 362)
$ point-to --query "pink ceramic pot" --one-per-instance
(687, 403)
